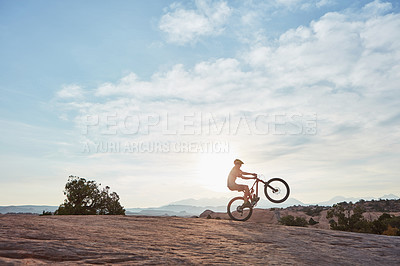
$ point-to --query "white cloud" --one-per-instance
(72, 91)
(303, 4)
(289, 3)
(333, 49)
(323, 3)
(184, 26)
(205, 82)
(377, 8)
(344, 67)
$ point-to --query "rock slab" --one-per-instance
(28, 239)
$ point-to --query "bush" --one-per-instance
(85, 197)
(46, 213)
(312, 221)
(391, 231)
(349, 218)
(313, 210)
(290, 220)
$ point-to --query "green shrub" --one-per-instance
(312, 221)
(86, 197)
(290, 220)
(46, 213)
(349, 218)
(314, 210)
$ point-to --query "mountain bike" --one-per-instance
(276, 190)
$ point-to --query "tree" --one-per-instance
(387, 224)
(313, 210)
(109, 203)
(290, 220)
(85, 197)
(349, 217)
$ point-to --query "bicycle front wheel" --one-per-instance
(276, 190)
(236, 210)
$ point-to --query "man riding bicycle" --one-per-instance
(235, 173)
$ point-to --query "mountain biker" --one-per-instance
(235, 173)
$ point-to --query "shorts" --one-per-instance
(237, 187)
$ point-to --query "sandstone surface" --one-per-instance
(30, 239)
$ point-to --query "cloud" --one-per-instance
(205, 83)
(377, 8)
(343, 67)
(184, 26)
(303, 4)
(72, 91)
(323, 3)
(339, 49)
(335, 67)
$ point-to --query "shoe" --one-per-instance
(255, 200)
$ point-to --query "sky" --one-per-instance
(157, 98)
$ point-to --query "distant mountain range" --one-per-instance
(192, 207)
(222, 201)
(338, 199)
(27, 209)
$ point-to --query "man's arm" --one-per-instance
(245, 177)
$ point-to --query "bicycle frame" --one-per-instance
(257, 180)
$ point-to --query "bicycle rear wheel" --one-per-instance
(236, 210)
(276, 190)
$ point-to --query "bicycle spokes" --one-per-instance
(238, 210)
(276, 190)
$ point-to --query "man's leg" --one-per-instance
(246, 191)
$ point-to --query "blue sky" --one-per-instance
(311, 88)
